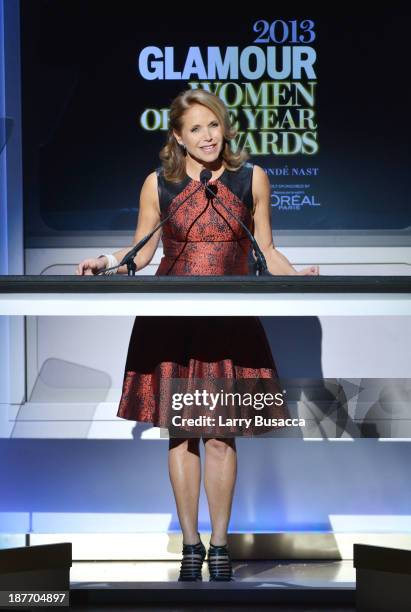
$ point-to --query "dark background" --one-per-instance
(86, 156)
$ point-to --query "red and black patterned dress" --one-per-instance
(201, 238)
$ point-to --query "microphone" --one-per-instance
(205, 176)
(128, 258)
(261, 264)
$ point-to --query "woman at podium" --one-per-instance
(206, 235)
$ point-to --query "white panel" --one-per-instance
(366, 347)
(207, 304)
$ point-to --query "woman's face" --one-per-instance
(201, 133)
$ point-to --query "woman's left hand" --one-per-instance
(311, 271)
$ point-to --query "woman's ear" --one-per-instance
(177, 137)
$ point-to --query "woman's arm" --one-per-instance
(148, 218)
(276, 262)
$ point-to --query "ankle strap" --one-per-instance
(219, 547)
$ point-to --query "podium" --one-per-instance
(206, 295)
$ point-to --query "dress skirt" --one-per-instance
(216, 351)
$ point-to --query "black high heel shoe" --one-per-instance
(192, 562)
(219, 563)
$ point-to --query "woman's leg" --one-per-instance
(219, 481)
(185, 475)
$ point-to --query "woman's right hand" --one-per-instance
(91, 266)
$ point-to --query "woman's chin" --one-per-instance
(207, 159)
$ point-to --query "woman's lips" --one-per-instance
(209, 149)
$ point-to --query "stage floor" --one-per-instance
(279, 574)
(257, 582)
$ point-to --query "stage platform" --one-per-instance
(255, 582)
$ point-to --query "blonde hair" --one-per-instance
(172, 155)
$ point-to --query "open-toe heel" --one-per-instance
(192, 562)
(219, 563)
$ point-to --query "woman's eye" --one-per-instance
(215, 124)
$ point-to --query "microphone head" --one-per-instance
(205, 176)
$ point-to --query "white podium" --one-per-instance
(205, 295)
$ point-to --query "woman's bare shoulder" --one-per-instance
(149, 190)
(151, 179)
(259, 173)
(260, 183)
(151, 182)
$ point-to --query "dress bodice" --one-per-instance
(202, 237)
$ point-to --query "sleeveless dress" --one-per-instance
(201, 238)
